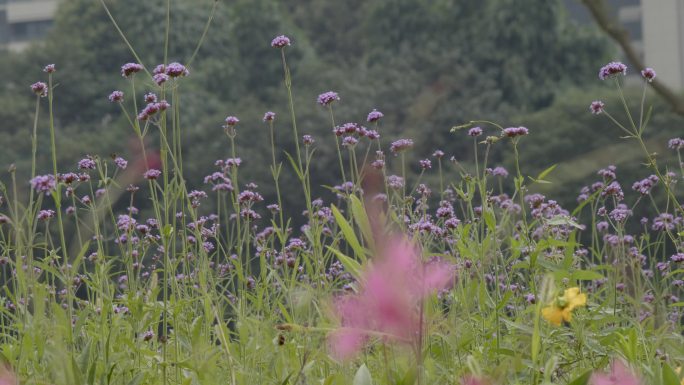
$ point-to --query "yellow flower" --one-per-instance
(561, 309)
(679, 373)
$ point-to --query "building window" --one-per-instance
(30, 30)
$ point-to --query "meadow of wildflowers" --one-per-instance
(115, 271)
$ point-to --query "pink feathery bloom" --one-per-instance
(389, 301)
(619, 374)
(116, 97)
(232, 121)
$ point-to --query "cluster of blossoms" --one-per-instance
(512, 132)
(644, 186)
(475, 132)
(40, 89)
(374, 116)
(612, 69)
(153, 106)
(350, 130)
(129, 69)
(326, 98)
(280, 41)
(220, 180)
(44, 183)
(401, 145)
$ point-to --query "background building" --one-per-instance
(22, 21)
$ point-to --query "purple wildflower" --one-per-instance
(120, 162)
(86, 163)
(129, 69)
(116, 97)
(475, 132)
(160, 78)
(438, 154)
(401, 145)
(50, 68)
(676, 143)
(308, 140)
(395, 182)
(152, 174)
(44, 215)
(596, 107)
(425, 164)
(327, 98)
(612, 69)
(150, 97)
(648, 73)
(499, 171)
(176, 70)
(269, 116)
(280, 41)
(512, 132)
(374, 116)
(40, 89)
(349, 141)
(232, 121)
(44, 183)
(644, 186)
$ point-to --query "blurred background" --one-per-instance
(426, 64)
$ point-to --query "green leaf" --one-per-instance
(563, 220)
(546, 172)
(348, 233)
(585, 275)
(363, 376)
(352, 266)
(669, 376)
(581, 380)
(361, 219)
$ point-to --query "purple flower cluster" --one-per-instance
(152, 174)
(308, 140)
(176, 70)
(269, 116)
(44, 183)
(497, 171)
(648, 73)
(232, 121)
(475, 132)
(87, 163)
(425, 164)
(512, 132)
(612, 69)
(327, 98)
(152, 107)
(401, 145)
(44, 215)
(116, 97)
(50, 69)
(40, 89)
(374, 116)
(395, 182)
(129, 69)
(120, 162)
(644, 186)
(596, 107)
(280, 41)
(676, 143)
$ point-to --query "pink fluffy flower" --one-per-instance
(389, 302)
(619, 374)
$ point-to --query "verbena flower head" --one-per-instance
(120, 162)
(612, 69)
(512, 132)
(232, 121)
(561, 308)
(648, 73)
(425, 164)
(40, 89)
(388, 300)
(44, 183)
(280, 41)
(308, 140)
(160, 78)
(269, 116)
(374, 116)
(152, 174)
(596, 107)
(401, 145)
(676, 143)
(176, 70)
(50, 68)
(44, 215)
(327, 98)
(129, 69)
(150, 97)
(116, 97)
(619, 374)
(475, 131)
(86, 163)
